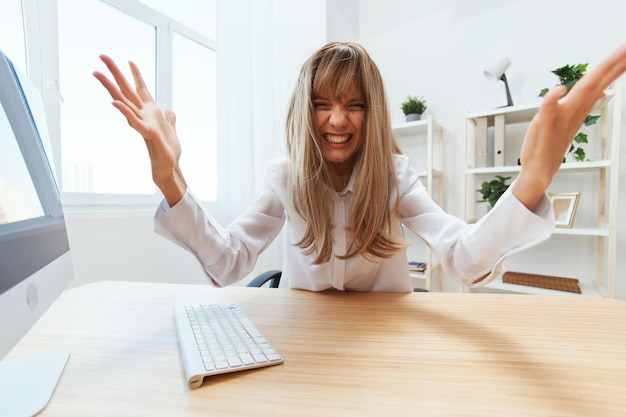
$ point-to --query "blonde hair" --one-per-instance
(333, 68)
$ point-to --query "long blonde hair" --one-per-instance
(334, 67)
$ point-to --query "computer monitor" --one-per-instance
(35, 259)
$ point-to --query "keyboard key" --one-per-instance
(273, 357)
(259, 358)
(247, 359)
(234, 361)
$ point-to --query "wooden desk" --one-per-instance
(346, 354)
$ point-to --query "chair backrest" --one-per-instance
(272, 276)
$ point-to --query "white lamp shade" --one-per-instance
(497, 68)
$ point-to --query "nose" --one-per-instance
(337, 116)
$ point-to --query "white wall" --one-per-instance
(439, 49)
(122, 246)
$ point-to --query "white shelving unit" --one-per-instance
(422, 141)
(489, 152)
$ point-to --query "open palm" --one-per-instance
(157, 127)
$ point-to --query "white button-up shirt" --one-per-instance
(466, 252)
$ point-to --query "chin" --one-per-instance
(338, 160)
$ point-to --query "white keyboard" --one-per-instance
(219, 338)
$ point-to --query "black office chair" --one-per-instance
(272, 276)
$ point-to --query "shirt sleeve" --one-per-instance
(468, 252)
(227, 254)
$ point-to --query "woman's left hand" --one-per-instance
(553, 128)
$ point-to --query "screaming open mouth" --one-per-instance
(337, 139)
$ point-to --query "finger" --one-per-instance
(115, 71)
(610, 68)
(140, 85)
(131, 117)
(593, 84)
(551, 100)
(553, 106)
(110, 87)
(114, 91)
(124, 87)
(591, 87)
(553, 96)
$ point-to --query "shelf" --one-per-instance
(436, 173)
(525, 113)
(581, 231)
(567, 166)
(422, 140)
(514, 114)
(485, 147)
(411, 128)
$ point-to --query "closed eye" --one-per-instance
(321, 105)
(356, 107)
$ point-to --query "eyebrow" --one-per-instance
(358, 98)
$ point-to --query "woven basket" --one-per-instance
(542, 281)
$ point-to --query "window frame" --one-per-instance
(40, 21)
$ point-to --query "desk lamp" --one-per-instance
(496, 71)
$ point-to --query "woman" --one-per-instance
(345, 187)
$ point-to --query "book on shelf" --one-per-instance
(415, 266)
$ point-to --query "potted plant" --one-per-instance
(568, 76)
(413, 108)
(492, 190)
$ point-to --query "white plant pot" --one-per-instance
(411, 117)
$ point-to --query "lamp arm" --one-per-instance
(509, 100)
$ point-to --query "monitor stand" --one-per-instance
(27, 383)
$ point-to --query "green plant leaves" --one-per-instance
(414, 104)
(576, 151)
(591, 120)
(581, 138)
(492, 190)
(569, 74)
(579, 154)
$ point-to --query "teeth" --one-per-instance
(338, 139)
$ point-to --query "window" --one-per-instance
(12, 32)
(102, 160)
(101, 156)
(100, 153)
(194, 83)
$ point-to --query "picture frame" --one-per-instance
(564, 206)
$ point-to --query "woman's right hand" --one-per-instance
(157, 127)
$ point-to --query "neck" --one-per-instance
(342, 168)
(340, 174)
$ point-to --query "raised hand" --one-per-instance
(157, 127)
(552, 129)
